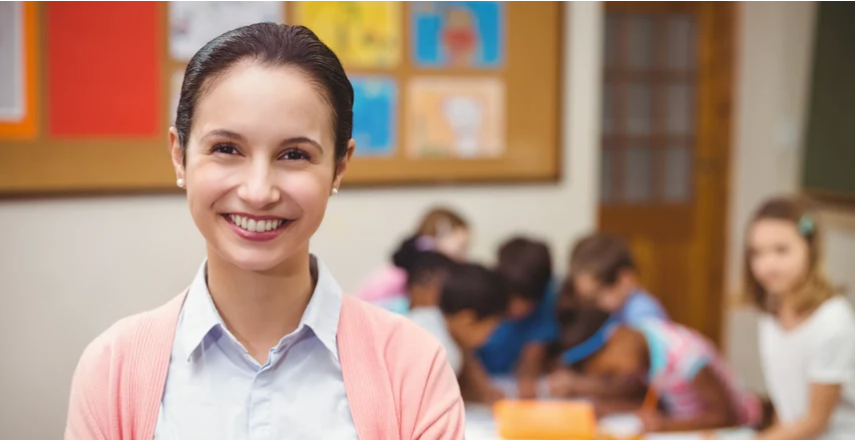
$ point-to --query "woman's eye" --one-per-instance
(225, 149)
(294, 155)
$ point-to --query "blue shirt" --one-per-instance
(640, 306)
(215, 389)
(500, 353)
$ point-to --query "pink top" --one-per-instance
(385, 284)
(677, 353)
(398, 382)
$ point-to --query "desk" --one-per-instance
(481, 426)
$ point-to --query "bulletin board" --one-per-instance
(444, 91)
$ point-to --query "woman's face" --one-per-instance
(778, 255)
(260, 165)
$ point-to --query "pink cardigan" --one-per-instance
(398, 382)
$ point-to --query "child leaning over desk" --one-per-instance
(519, 345)
(679, 367)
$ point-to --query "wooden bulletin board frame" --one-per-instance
(531, 74)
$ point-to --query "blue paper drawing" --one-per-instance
(375, 115)
(458, 34)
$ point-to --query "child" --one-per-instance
(603, 273)
(440, 230)
(473, 301)
(519, 344)
(806, 332)
(680, 366)
(425, 285)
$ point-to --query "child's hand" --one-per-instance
(491, 395)
(527, 389)
(562, 383)
(652, 420)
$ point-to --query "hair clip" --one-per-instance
(425, 243)
(805, 226)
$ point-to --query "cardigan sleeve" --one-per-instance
(440, 414)
(88, 409)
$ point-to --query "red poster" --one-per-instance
(103, 69)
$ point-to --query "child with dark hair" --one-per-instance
(474, 301)
(695, 387)
(426, 276)
(519, 345)
(441, 230)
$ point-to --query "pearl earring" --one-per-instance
(334, 191)
(180, 183)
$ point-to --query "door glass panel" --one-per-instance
(637, 173)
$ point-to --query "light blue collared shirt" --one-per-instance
(216, 390)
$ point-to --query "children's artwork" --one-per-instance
(95, 89)
(193, 24)
(463, 118)
(12, 106)
(458, 34)
(362, 34)
(375, 115)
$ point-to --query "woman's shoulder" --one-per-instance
(392, 332)
(123, 335)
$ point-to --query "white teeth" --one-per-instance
(254, 225)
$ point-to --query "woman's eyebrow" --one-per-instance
(301, 140)
(225, 133)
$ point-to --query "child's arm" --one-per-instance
(566, 383)
(823, 398)
(529, 369)
(478, 381)
(717, 407)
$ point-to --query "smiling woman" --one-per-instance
(263, 343)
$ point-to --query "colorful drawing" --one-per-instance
(375, 120)
(12, 69)
(193, 24)
(458, 34)
(362, 34)
(19, 70)
(462, 118)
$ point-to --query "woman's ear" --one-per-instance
(177, 153)
(342, 166)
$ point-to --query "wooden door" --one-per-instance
(666, 130)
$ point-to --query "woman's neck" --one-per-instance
(259, 308)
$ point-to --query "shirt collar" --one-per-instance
(199, 316)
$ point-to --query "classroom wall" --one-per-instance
(69, 267)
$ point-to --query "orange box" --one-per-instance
(545, 420)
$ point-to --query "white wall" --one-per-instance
(70, 267)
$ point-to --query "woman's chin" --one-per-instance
(255, 260)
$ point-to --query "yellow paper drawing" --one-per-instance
(463, 118)
(363, 34)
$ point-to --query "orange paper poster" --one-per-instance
(458, 118)
(18, 71)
